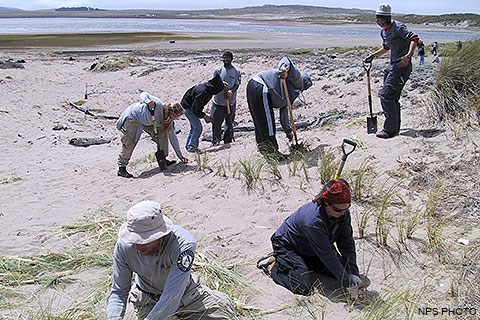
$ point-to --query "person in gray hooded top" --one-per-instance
(265, 92)
(161, 255)
(401, 43)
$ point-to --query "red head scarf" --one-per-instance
(337, 192)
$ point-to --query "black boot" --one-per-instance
(161, 160)
(122, 172)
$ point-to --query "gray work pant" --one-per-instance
(129, 140)
(198, 303)
(394, 80)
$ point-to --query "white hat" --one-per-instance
(145, 223)
(384, 10)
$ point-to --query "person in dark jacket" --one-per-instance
(193, 101)
(304, 244)
(401, 43)
(265, 92)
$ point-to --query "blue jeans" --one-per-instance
(196, 129)
(394, 80)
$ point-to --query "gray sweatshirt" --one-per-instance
(296, 83)
(397, 38)
(140, 113)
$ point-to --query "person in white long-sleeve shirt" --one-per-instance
(149, 115)
(161, 255)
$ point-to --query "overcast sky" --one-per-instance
(398, 6)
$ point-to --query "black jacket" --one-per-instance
(198, 96)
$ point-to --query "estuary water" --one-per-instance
(113, 25)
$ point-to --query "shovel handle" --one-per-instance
(290, 110)
(345, 154)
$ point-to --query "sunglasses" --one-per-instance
(338, 209)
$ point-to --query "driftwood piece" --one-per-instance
(85, 142)
(88, 112)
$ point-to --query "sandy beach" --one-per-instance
(48, 182)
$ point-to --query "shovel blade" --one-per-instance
(372, 125)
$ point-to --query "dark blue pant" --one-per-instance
(394, 80)
(262, 116)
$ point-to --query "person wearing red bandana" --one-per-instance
(401, 43)
(304, 244)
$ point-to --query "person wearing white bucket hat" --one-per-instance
(401, 43)
(161, 255)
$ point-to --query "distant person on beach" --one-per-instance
(161, 255)
(434, 50)
(316, 240)
(221, 110)
(401, 43)
(421, 52)
(265, 92)
(155, 118)
(459, 45)
(193, 101)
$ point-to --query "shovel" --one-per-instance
(345, 154)
(290, 110)
(228, 119)
(372, 120)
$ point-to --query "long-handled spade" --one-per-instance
(345, 154)
(229, 119)
(290, 110)
(372, 120)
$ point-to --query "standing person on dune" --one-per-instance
(401, 43)
(224, 103)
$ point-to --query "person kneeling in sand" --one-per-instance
(304, 245)
(161, 255)
(155, 118)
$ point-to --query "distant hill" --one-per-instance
(313, 14)
(7, 9)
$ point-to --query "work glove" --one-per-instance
(207, 119)
(369, 59)
(289, 136)
(355, 280)
(283, 71)
(356, 284)
(404, 62)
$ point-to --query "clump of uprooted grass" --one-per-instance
(116, 63)
(51, 268)
(456, 96)
(219, 277)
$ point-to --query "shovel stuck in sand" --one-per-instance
(372, 120)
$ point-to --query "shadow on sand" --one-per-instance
(331, 289)
(426, 133)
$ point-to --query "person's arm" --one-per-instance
(175, 145)
(200, 99)
(178, 278)
(318, 237)
(346, 245)
(381, 51)
(122, 279)
(285, 122)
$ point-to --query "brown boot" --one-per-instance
(266, 264)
